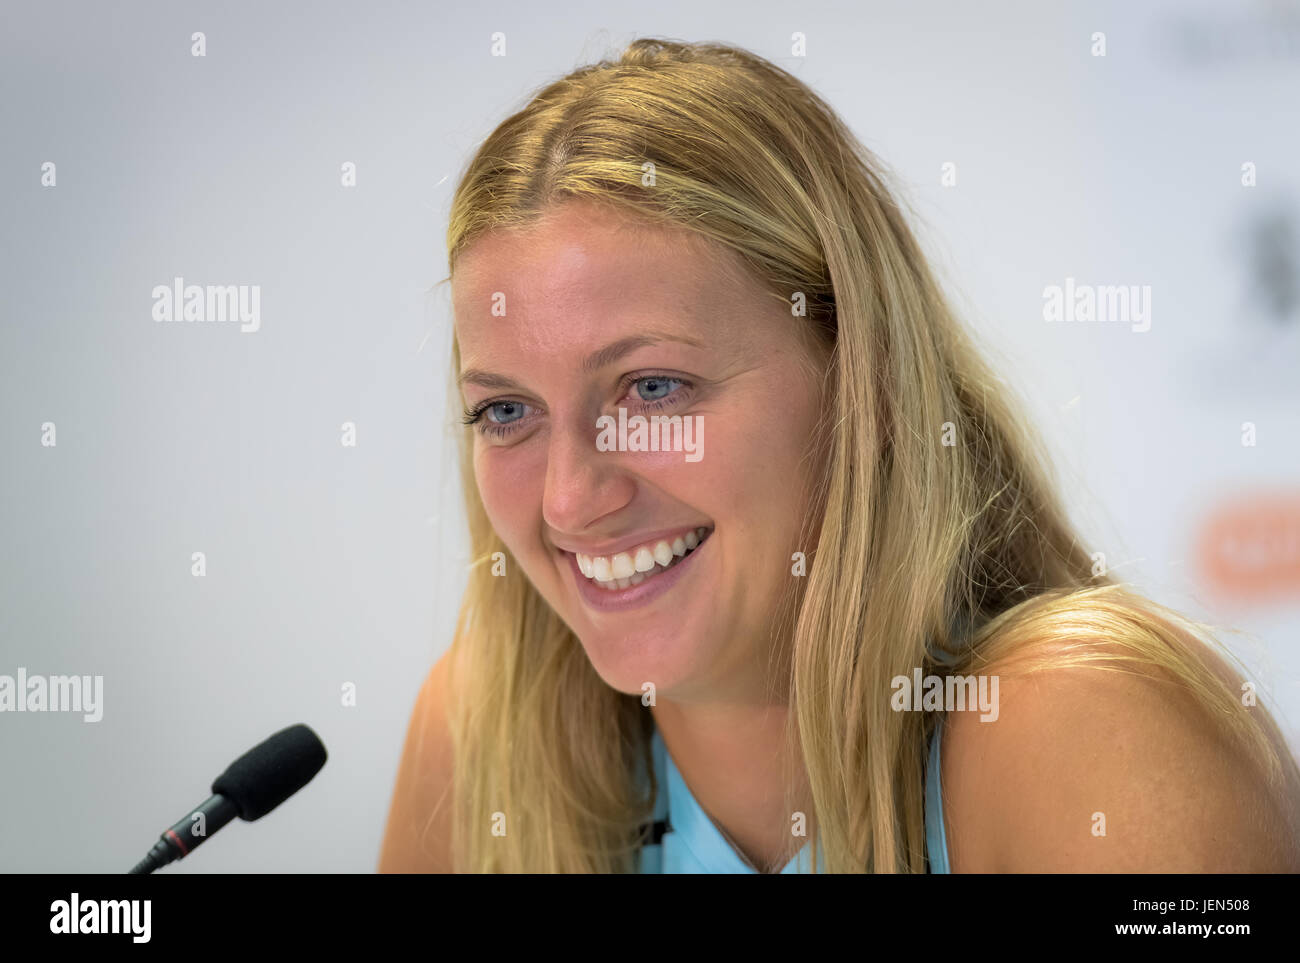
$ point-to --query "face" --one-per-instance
(667, 564)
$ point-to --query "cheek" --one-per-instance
(761, 458)
(510, 489)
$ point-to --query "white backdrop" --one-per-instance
(328, 564)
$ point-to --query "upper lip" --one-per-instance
(611, 548)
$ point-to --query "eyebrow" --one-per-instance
(593, 362)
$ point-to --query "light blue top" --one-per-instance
(689, 842)
(936, 837)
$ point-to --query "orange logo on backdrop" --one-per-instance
(1250, 547)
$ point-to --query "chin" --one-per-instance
(626, 663)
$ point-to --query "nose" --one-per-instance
(583, 484)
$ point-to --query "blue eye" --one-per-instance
(496, 419)
(655, 387)
(504, 412)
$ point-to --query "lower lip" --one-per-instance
(633, 596)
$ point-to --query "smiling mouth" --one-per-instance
(642, 563)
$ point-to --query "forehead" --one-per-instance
(584, 273)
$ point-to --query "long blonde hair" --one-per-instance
(925, 554)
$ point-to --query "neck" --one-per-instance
(733, 757)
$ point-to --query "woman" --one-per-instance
(702, 655)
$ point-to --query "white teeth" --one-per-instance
(621, 565)
(632, 568)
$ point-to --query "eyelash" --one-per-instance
(474, 416)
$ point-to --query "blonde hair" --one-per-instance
(926, 555)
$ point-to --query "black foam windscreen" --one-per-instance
(271, 771)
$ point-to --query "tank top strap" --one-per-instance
(936, 837)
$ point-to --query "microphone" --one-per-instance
(251, 787)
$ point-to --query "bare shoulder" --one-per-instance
(1095, 770)
(418, 836)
